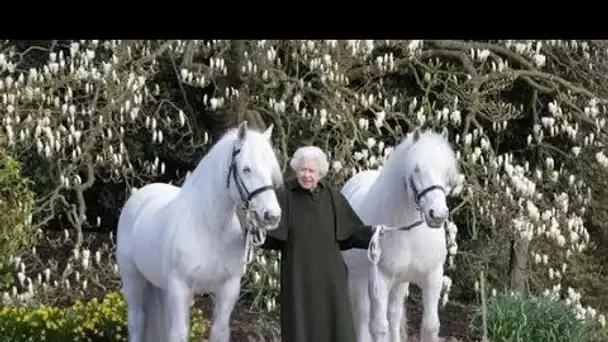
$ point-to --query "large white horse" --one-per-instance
(410, 192)
(173, 243)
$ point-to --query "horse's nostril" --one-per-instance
(432, 213)
(268, 217)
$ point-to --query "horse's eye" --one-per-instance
(246, 169)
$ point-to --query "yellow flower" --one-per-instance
(80, 322)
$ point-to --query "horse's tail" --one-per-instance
(155, 318)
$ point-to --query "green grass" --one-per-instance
(533, 319)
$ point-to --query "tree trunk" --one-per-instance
(237, 112)
(219, 121)
(519, 265)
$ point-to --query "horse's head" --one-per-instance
(431, 175)
(254, 174)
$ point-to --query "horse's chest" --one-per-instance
(413, 253)
(206, 265)
(205, 277)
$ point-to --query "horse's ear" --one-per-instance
(416, 134)
(444, 133)
(242, 130)
(268, 132)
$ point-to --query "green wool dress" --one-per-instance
(315, 226)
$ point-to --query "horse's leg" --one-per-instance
(431, 293)
(225, 299)
(378, 294)
(360, 301)
(134, 286)
(178, 300)
(396, 311)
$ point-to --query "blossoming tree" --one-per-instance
(522, 115)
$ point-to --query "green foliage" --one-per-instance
(94, 321)
(533, 319)
(16, 204)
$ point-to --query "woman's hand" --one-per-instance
(381, 229)
(373, 252)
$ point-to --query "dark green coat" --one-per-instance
(315, 226)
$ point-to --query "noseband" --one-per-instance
(418, 195)
(246, 195)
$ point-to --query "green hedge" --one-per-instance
(94, 321)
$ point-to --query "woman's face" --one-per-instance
(308, 174)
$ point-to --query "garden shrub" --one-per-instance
(512, 318)
(16, 204)
(94, 321)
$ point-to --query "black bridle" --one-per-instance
(246, 195)
(417, 197)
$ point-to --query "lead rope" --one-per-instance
(374, 252)
(254, 236)
(373, 255)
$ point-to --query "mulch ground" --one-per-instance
(454, 320)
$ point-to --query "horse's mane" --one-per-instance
(211, 173)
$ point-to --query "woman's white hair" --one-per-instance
(310, 152)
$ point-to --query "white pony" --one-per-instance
(174, 243)
(418, 175)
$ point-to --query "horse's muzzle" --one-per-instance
(271, 220)
(434, 222)
(435, 219)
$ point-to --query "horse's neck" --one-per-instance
(388, 201)
(209, 198)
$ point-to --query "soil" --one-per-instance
(454, 321)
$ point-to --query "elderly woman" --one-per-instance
(317, 223)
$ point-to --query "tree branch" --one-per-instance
(460, 45)
(462, 57)
(515, 74)
(154, 55)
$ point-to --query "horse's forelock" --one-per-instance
(260, 150)
(434, 150)
(430, 148)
